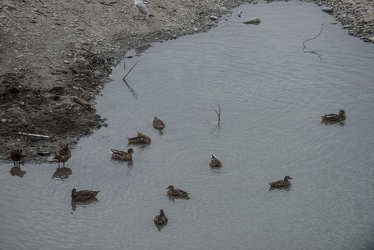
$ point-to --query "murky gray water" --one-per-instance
(271, 95)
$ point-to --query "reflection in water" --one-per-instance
(132, 91)
(173, 198)
(141, 49)
(16, 170)
(130, 163)
(328, 123)
(280, 188)
(159, 227)
(62, 173)
(74, 203)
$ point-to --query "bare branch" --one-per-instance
(124, 78)
(218, 113)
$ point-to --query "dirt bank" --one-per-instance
(55, 56)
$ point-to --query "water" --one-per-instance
(271, 96)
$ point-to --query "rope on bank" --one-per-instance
(313, 52)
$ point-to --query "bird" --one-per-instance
(122, 155)
(140, 139)
(214, 162)
(63, 155)
(334, 117)
(83, 195)
(177, 193)
(142, 8)
(161, 219)
(158, 124)
(240, 13)
(282, 183)
(16, 155)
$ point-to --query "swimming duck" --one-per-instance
(63, 155)
(140, 139)
(282, 183)
(122, 155)
(161, 218)
(178, 193)
(158, 124)
(214, 162)
(334, 117)
(16, 155)
(83, 195)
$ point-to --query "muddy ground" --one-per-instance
(55, 56)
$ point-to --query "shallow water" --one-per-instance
(271, 95)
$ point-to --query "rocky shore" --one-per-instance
(55, 56)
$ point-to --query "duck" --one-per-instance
(178, 193)
(63, 155)
(334, 117)
(16, 155)
(282, 183)
(161, 219)
(214, 162)
(83, 195)
(158, 124)
(140, 139)
(122, 155)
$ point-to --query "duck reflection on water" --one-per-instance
(17, 171)
(62, 172)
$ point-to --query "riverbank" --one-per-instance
(55, 57)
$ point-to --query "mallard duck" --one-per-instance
(282, 183)
(214, 162)
(161, 219)
(140, 139)
(122, 155)
(83, 195)
(158, 124)
(16, 155)
(178, 193)
(63, 155)
(334, 117)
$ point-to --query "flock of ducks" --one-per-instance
(161, 219)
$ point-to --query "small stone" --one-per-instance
(195, 29)
(327, 9)
(253, 20)
(214, 18)
(66, 61)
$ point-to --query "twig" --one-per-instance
(313, 52)
(124, 78)
(36, 135)
(218, 113)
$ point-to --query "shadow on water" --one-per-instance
(75, 204)
(17, 171)
(62, 173)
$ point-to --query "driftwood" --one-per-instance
(35, 135)
(81, 102)
(218, 113)
(124, 78)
